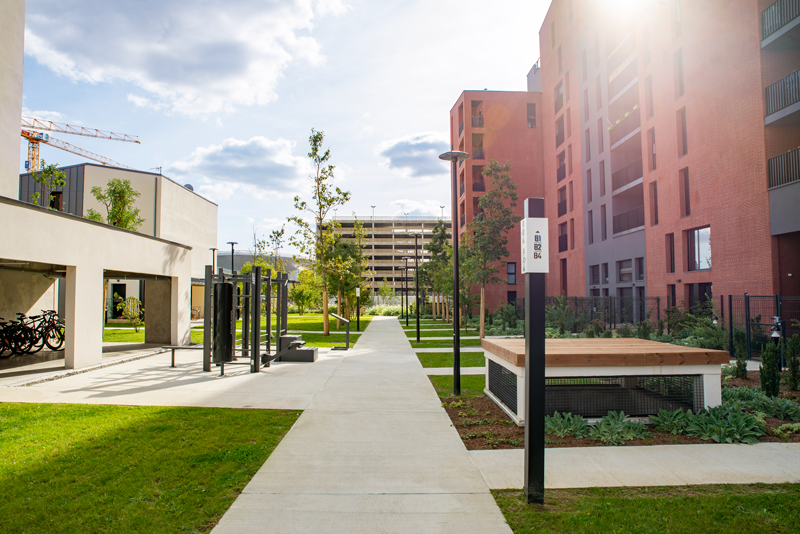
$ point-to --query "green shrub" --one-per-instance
(670, 422)
(746, 394)
(566, 424)
(643, 330)
(739, 351)
(625, 331)
(783, 431)
(608, 333)
(778, 407)
(793, 361)
(725, 424)
(771, 370)
(615, 429)
(660, 327)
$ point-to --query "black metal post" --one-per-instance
(358, 311)
(456, 304)
(405, 282)
(731, 348)
(747, 324)
(534, 369)
(207, 315)
(416, 282)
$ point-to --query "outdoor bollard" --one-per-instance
(535, 263)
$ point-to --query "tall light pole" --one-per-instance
(405, 284)
(442, 213)
(213, 259)
(373, 250)
(231, 243)
(454, 158)
(416, 281)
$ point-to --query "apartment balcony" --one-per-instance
(559, 138)
(783, 101)
(626, 175)
(461, 129)
(478, 185)
(463, 220)
(461, 190)
(780, 26)
(561, 173)
(478, 153)
(629, 220)
(784, 169)
(562, 208)
(625, 127)
(624, 78)
(477, 121)
(784, 193)
(563, 243)
(559, 102)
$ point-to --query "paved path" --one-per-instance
(372, 452)
(654, 465)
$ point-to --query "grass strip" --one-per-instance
(445, 359)
(471, 385)
(89, 468)
(773, 508)
(312, 340)
(444, 344)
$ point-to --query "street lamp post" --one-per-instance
(454, 158)
(416, 281)
(231, 243)
(442, 212)
(373, 250)
(213, 259)
(405, 284)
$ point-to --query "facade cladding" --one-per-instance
(667, 128)
(504, 125)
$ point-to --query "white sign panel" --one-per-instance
(534, 245)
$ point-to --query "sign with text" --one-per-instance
(533, 232)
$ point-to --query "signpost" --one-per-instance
(535, 263)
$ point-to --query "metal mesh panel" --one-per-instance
(634, 395)
(503, 384)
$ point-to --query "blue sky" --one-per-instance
(223, 95)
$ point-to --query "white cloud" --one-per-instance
(257, 166)
(191, 57)
(415, 155)
(416, 207)
(54, 116)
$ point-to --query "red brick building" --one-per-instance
(671, 129)
(502, 125)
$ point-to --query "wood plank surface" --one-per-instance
(606, 352)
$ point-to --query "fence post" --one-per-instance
(778, 305)
(731, 348)
(747, 324)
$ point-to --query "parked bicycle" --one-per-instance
(29, 335)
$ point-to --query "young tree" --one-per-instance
(439, 263)
(386, 292)
(316, 239)
(489, 246)
(275, 241)
(50, 177)
(132, 310)
(118, 198)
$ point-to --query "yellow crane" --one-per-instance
(29, 125)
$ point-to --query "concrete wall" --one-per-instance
(784, 217)
(12, 26)
(144, 183)
(25, 292)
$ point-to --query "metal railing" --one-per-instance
(477, 121)
(461, 190)
(562, 243)
(561, 173)
(478, 153)
(463, 220)
(478, 185)
(783, 93)
(630, 71)
(562, 208)
(778, 15)
(559, 138)
(630, 219)
(461, 128)
(629, 173)
(625, 126)
(784, 169)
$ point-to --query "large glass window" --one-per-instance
(625, 271)
(594, 274)
(511, 273)
(699, 245)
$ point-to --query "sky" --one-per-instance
(223, 95)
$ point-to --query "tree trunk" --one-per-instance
(339, 309)
(326, 325)
(483, 311)
(347, 308)
(433, 305)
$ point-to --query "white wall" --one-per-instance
(27, 293)
(12, 26)
(144, 183)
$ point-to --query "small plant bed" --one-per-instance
(754, 379)
(444, 344)
(445, 359)
(84, 468)
(471, 385)
(714, 508)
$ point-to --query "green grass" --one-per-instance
(444, 344)
(718, 508)
(130, 336)
(412, 334)
(83, 468)
(312, 322)
(445, 359)
(471, 385)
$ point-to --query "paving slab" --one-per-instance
(654, 465)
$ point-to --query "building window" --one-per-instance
(646, 46)
(648, 96)
(585, 105)
(651, 142)
(604, 279)
(588, 185)
(678, 68)
(569, 123)
(653, 204)
(562, 201)
(639, 269)
(677, 18)
(560, 64)
(599, 93)
(596, 51)
(602, 177)
(588, 141)
(600, 140)
(572, 234)
(698, 243)
(569, 159)
(603, 229)
(564, 286)
(625, 271)
(594, 275)
(566, 85)
(512, 297)
(560, 131)
(531, 115)
(561, 173)
(698, 293)
(56, 200)
(683, 143)
(671, 294)
(559, 97)
(685, 193)
(584, 70)
(553, 34)
(669, 252)
(590, 227)
(511, 273)
(563, 237)
(571, 197)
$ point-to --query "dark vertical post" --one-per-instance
(747, 324)
(658, 310)
(456, 297)
(268, 312)
(207, 315)
(255, 305)
(416, 282)
(778, 305)
(247, 288)
(534, 367)
(782, 341)
(358, 309)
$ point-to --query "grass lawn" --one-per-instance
(312, 322)
(131, 336)
(718, 508)
(471, 385)
(445, 359)
(444, 344)
(82, 468)
(412, 334)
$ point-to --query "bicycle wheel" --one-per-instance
(54, 337)
(20, 341)
(5, 348)
(37, 340)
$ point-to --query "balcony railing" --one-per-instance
(778, 15)
(463, 220)
(559, 102)
(478, 185)
(630, 173)
(629, 220)
(461, 128)
(783, 93)
(477, 121)
(461, 190)
(559, 138)
(562, 208)
(561, 173)
(626, 126)
(622, 79)
(478, 153)
(563, 243)
(784, 169)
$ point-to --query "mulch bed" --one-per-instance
(483, 425)
(754, 379)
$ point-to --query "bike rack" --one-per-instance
(347, 333)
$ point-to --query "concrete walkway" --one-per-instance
(372, 452)
(654, 465)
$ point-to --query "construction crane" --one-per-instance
(35, 138)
